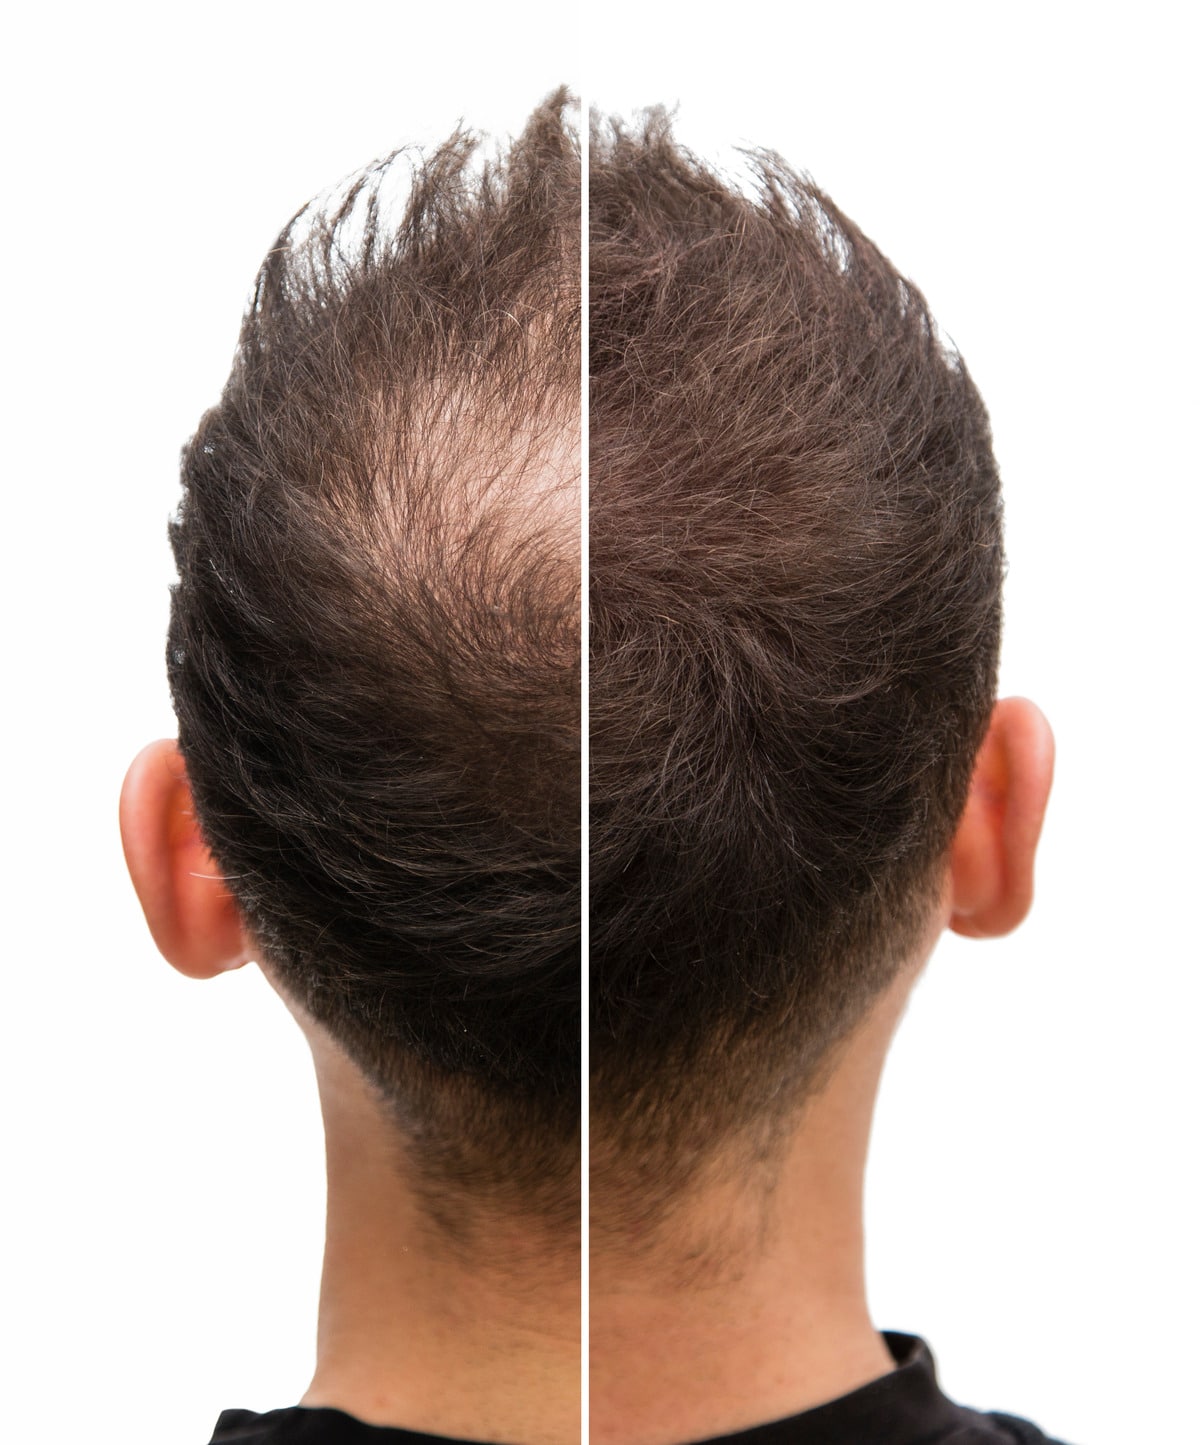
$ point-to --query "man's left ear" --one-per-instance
(192, 916)
(991, 860)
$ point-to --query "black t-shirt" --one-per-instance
(903, 1408)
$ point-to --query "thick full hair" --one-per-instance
(796, 563)
(374, 644)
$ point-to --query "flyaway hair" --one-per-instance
(796, 565)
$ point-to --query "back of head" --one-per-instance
(374, 644)
(796, 560)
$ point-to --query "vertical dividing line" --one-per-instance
(584, 751)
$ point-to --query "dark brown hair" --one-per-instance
(796, 566)
(374, 642)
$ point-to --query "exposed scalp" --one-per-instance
(374, 646)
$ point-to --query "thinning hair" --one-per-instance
(796, 564)
(374, 644)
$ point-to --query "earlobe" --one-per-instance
(191, 915)
(992, 857)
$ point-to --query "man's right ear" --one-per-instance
(192, 916)
(991, 858)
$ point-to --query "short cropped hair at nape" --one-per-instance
(795, 577)
(374, 641)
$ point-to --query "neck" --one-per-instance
(778, 1321)
(412, 1333)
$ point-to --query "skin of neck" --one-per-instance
(755, 1308)
(751, 1307)
(413, 1331)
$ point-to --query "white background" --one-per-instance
(163, 1213)
(1031, 1203)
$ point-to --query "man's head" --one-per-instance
(374, 656)
(796, 565)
